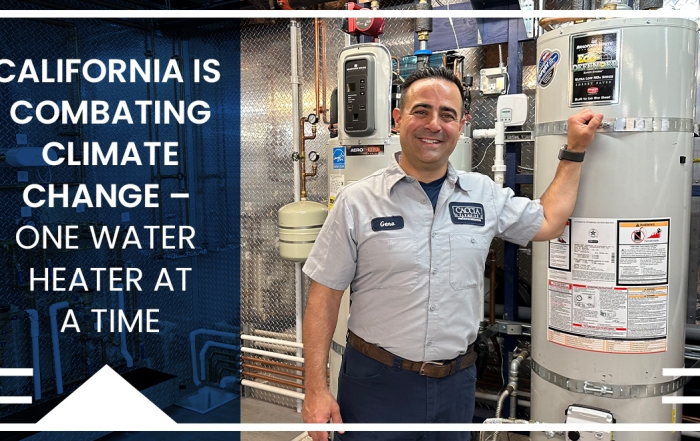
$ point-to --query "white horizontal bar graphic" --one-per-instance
(679, 372)
(16, 372)
(15, 400)
(179, 195)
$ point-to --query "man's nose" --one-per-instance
(433, 124)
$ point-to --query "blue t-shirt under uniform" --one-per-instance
(432, 189)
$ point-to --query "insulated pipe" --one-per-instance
(273, 389)
(193, 347)
(53, 309)
(273, 354)
(203, 353)
(34, 320)
(122, 333)
(273, 340)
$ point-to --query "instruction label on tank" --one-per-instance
(613, 296)
(335, 184)
(595, 68)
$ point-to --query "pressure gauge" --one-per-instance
(313, 156)
(312, 118)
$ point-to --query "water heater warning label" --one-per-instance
(608, 285)
(595, 68)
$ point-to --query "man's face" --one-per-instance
(430, 123)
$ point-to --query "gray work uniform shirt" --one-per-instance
(416, 276)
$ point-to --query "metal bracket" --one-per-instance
(521, 136)
(600, 390)
(528, 5)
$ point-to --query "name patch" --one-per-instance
(467, 213)
(387, 223)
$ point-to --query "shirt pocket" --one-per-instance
(467, 256)
(394, 263)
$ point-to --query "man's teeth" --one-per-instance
(431, 141)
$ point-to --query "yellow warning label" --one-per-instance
(643, 224)
(331, 201)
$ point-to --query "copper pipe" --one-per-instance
(273, 371)
(272, 363)
(274, 380)
(303, 174)
(546, 23)
(398, 65)
(492, 288)
(317, 62)
(324, 72)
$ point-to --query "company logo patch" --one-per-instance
(545, 67)
(467, 213)
(387, 223)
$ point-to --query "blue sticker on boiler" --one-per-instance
(338, 158)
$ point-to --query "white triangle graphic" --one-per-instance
(106, 402)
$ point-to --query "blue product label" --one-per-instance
(467, 213)
(387, 223)
(338, 158)
(545, 67)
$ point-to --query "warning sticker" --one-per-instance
(595, 68)
(560, 250)
(613, 295)
(643, 250)
(335, 184)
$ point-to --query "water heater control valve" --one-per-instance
(578, 413)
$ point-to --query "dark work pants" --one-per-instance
(372, 392)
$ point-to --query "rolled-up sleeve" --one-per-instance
(519, 219)
(333, 258)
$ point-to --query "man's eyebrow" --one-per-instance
(429, 106)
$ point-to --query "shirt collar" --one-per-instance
(394, 173)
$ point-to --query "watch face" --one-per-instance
(363, 23)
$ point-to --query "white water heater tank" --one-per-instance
(609, 295)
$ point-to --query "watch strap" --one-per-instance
(568, 155)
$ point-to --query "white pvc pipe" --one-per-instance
(277, 390)
(34, 320)
(295, 49)
(193, 347)
(203, 354)
(273, 340)
(273, 354)
(122, 333)
(499, 166)
(53, 309)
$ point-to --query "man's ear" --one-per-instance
(396, 113)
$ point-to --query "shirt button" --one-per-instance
(430, 343)
(432, 307)
(434, 271)
(423, 201)
(433, 235)
(473, 240)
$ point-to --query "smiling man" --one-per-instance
(411, 242)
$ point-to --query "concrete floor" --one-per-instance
(255, 411)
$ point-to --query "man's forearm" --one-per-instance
(319, 324)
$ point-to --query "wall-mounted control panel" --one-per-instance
(364, 85)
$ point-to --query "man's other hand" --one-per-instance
(319, 407)
(581, 129)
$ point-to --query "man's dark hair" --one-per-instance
(430, 72)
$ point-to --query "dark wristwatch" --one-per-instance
(568, 155)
